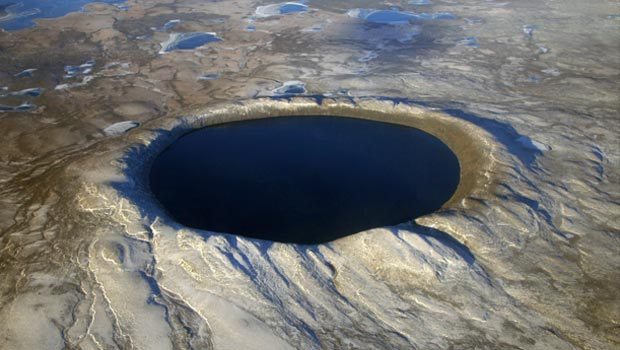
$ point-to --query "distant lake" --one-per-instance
(19, 14)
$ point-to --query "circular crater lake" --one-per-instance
(303, 179)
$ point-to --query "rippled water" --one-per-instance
(525, 93)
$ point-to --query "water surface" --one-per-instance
(303, 179)
(20, 14)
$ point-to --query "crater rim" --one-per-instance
(471, 144)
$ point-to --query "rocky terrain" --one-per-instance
(524, 256)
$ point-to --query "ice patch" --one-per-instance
(554, 72)
(293, 87)
(533, 145)
(209, 76)
(24, 107)
(469, 41)
(122, 7)
(32, 92)
(171, 24)
(112, 65)
(120, 128)
(339, 92)
(26, 73)
(82, 69)
(187, 41)
(419, 2)
(84, 81)
(280, 9)
(528, 30)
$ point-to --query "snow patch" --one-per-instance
(532, 144)
(120, 128)
(292, 87)
(24, 107)
(280, 9)
(26, 73)
(66, 86)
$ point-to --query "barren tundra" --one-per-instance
(524, 255)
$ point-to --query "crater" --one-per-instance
(303, 179)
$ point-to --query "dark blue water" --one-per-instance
(292, 7)
(190, 41)
(303, 179)
(22, 12)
